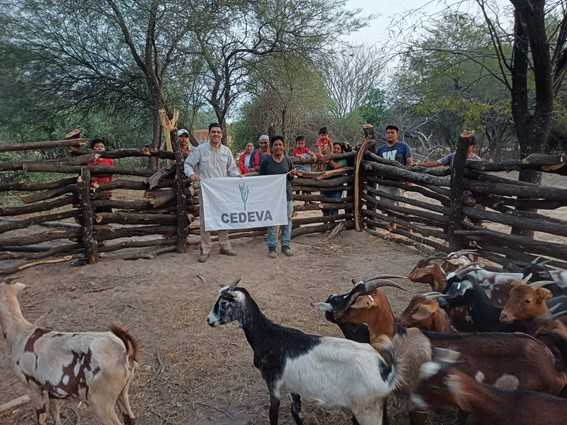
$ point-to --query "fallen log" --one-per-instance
(407, 236)
(42, 145)
(539, 162)
(159, 198)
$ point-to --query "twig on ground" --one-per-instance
(216, 408)
(160, 369)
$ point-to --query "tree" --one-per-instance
(248, 33)
(350, 75)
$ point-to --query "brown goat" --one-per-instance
(442, 384)
(527, 301)
(423, 312)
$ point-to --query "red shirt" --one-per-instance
(326, 145)
(102, 161)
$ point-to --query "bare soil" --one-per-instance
(208, 377)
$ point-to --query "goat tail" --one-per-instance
(387, 350)
(128, 341)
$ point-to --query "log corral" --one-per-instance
(49, 210)
(472, 205)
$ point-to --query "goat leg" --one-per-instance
(296, 408)
(274, 407)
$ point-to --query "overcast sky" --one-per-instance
(396, 10)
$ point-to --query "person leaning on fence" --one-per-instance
(448, 160)
(209, 160)
(395, 150)
(279, 163)
(334, 164)
(100, 146)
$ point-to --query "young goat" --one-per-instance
(423, 312)
(94, 366)
(333, 371)
(528, 301)
(442, 383)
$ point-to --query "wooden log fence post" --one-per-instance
(180, 185)
(457, 190)
(87, 215)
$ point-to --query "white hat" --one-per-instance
(181, 132)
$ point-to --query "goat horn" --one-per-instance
(461, 273)
(540, 283)
(554, 316)
(372, 284)
(444, 355)
(430, 296)
(319, 305)
(233, 284)
(535, 260)
(553, 308)
(385, 276)
(462, 252)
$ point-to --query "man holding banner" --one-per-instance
(211, 160)
(278, 163)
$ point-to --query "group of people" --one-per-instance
(215, 160)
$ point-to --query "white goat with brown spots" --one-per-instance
(94, 366)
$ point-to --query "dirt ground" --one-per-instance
(208, 377)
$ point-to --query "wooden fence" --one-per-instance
(56, 219)
(471, 205)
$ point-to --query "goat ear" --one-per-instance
(363, 301)
(424, 311)
(543, 294)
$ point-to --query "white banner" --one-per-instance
(243, 203)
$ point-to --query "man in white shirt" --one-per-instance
(208, 160)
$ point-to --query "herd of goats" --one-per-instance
(492, 344)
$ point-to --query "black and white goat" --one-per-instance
(93, 366)
(331, 371)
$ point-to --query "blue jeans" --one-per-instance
(333, 194)
(286, 230)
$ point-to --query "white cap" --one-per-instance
(182, 132)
